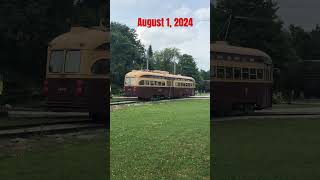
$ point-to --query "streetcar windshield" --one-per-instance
(129, 81)
(72, 64)
(56, 61)
(65, 61)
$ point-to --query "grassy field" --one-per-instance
(78, 156)
(285, 149)
(161, 141)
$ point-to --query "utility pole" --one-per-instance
(174, 65)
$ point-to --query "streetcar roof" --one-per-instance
(80, 38)
(224, 47)
(140, 73)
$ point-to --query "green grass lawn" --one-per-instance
(273, 149)
(167, 140)
(78, 157)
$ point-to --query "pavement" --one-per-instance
(46, 128)
(224, 119)
(45, 114)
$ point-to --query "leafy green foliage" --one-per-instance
(165, 59)
(188, 67)
(127, 51)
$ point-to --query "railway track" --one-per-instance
(162, 100)
(51, 123)
(47, 128)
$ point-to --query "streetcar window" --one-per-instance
(147, 83)
(220, 72)
(72, 62)
(219, 56)
(141, 83)
(245, 73)
(229, 73)
(237, 73)
(129, 81)
(152, 83)
(100, 67)
(253, 74)
(56, 61)
(168, 83)
(260, 73)
(159, 83)
(163, 83)
(214, 71)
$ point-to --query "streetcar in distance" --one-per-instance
(154, 84)
(77, 76)
(241, 79)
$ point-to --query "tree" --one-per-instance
(127, 51)
(164, 59)
(150, 52)
(150, 57)
(255, 24)
(188, 67)
(204, 82)
(315, 43)
(301, 41)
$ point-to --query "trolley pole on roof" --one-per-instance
(226, 36)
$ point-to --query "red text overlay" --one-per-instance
(165, 22)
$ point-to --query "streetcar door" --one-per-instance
(169, 84)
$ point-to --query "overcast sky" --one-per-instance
(194, 41)
(305, 13)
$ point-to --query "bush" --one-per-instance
(278, 98)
